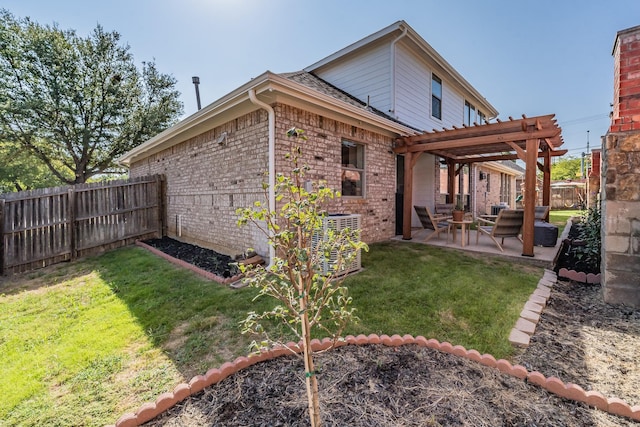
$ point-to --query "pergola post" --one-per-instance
(546, 180)
(408, 196)
(531, 156)
(451, 180)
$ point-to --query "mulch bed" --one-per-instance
(579, 339)
(206, 259)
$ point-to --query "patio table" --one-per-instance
(464, 226)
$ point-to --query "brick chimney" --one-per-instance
(626, 81)
(620, 185)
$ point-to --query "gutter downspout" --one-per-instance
(272, 161)
(393, 71)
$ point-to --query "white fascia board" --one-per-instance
(500, 167)
(452, 73)
(356, 46)
(427, 49)
(311, 96)
(198, 118)
(264, 84)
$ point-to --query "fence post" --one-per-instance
(71, 215)
(2, 255)
(160, 183)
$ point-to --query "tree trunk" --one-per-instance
(310, 375)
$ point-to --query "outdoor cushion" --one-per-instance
(544, 234)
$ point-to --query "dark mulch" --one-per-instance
(206, 259)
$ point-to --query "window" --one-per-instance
(488, 181)
(505, 188)
(436, 97)
(352, 169)
(469, 114)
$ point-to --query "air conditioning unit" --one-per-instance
(339, 222)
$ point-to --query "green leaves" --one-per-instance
(78, 103)
(305, 276)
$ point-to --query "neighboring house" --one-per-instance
(353, 106)
(495, 183)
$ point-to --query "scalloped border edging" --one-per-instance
(576, 276)
(163, 402)
(197, 270)
(580, 276)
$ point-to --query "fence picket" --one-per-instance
(45, 226)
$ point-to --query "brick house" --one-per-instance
(491, 184)
(353, 105)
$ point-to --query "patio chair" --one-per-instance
(437, 223)
(507, 224)
(444, 209)
(541, 213)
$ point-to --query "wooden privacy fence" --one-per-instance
(50, 225)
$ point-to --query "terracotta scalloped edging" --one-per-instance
(580, 276)
(576, 276)
(181, 263)
(554, 385)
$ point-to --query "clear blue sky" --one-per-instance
(525, 57)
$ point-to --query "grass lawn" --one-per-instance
(560, 218)
(82, 343)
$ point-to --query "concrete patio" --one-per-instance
(543, 256)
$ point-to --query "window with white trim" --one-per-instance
(471, 115)
(436, 97)
(352, 169)
(505, 188)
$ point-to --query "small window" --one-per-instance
(352, 169)
(469, 114)
(436, 97)
(472, 115)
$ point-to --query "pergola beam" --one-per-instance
(498, 157)
(475, 141)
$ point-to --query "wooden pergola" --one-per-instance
(527, 139)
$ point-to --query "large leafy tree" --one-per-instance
(78, 103)
(566, 169)
(19, 170)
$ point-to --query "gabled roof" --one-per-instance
(396, 29)
(292, 88)
(322, 86)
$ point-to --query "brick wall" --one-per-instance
(207, 182)
(322, 153)
(620, 184)
(626, 81)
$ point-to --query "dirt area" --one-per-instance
(579, 339)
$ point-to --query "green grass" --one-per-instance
(82, 343)
(560, 218)
(443, 294)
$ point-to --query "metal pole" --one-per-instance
(196, 82)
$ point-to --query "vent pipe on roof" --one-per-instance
(196, 82)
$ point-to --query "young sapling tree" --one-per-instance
(306, 274)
